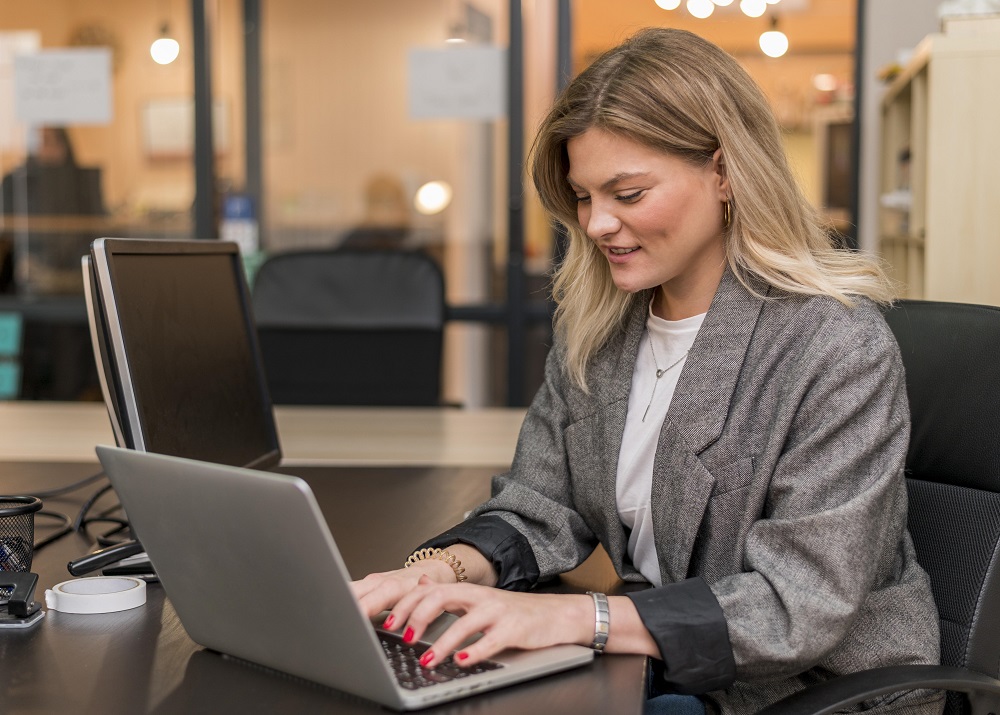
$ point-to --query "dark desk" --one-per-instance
(142, 661)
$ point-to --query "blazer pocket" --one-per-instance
(733, 476)
(722, 536)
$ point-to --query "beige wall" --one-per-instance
(335, 89)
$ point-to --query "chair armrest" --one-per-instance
(846, 690)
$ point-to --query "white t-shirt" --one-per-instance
(648, 401)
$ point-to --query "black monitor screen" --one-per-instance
(192, 378)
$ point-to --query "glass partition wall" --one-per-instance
(93, 142)
(384, 124)
(332, 125)
(307, 124)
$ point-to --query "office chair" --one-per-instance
(351, 327)
(951, 353)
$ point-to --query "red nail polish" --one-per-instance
(408, 635)
(389, 621)
(461, 655)
(426, 658)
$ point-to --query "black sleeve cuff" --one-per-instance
(689, 627)
(505, 547)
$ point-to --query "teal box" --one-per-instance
(10, 380)
(10, 334)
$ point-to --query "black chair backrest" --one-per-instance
(951, 353)
(351, 327)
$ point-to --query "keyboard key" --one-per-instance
(404, 659)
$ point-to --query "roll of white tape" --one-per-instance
(98, 594)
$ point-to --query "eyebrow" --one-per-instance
(619, 177)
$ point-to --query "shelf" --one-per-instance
(937, 202)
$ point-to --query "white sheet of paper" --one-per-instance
(64, 86)
(461, 82)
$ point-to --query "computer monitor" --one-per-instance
(175, 337)
(106, 373)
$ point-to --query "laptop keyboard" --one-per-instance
(405, 661)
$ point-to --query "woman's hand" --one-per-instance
(379, 592)
(506, 619)
(419, 594)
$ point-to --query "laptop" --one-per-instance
(252, 571)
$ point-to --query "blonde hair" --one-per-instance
(680, 94)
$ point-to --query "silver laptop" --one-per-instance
(252, 571)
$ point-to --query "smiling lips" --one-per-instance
(622, 251)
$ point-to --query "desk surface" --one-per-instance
(68, 431)
(142, 661)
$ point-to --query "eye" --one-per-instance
(582, 199)
(631, 198)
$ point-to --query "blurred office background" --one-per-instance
(307, 124)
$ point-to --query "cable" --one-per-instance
(71, 526)
(67, 528)
(80, 523)
(105, 538)
(104, 518)
(88, 505)
(69, 487)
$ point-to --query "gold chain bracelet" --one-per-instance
(439, 555)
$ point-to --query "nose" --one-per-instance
(601, 220)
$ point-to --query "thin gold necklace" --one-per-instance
(659, 373)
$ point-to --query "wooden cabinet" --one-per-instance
(940, 168)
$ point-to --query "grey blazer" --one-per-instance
(779, 505)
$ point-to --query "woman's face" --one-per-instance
(656, 218)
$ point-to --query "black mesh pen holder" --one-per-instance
(17, 535)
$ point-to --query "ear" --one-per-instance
(721, 175)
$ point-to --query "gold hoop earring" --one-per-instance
(727, 214)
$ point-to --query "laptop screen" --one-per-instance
(184, 350)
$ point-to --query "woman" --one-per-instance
(723, 410)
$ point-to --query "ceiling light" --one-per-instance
(773, 2)
(433, 197)
(753, 8)
(700, 8)
(668, 4)
(165, 49)
(723, 3)
(774, 42)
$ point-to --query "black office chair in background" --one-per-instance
(951, 352)
(351, 327)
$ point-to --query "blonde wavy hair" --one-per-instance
(680, 94)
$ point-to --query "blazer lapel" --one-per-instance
(680, 492)
(682, 485)
(704, 391)
(611, 382)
